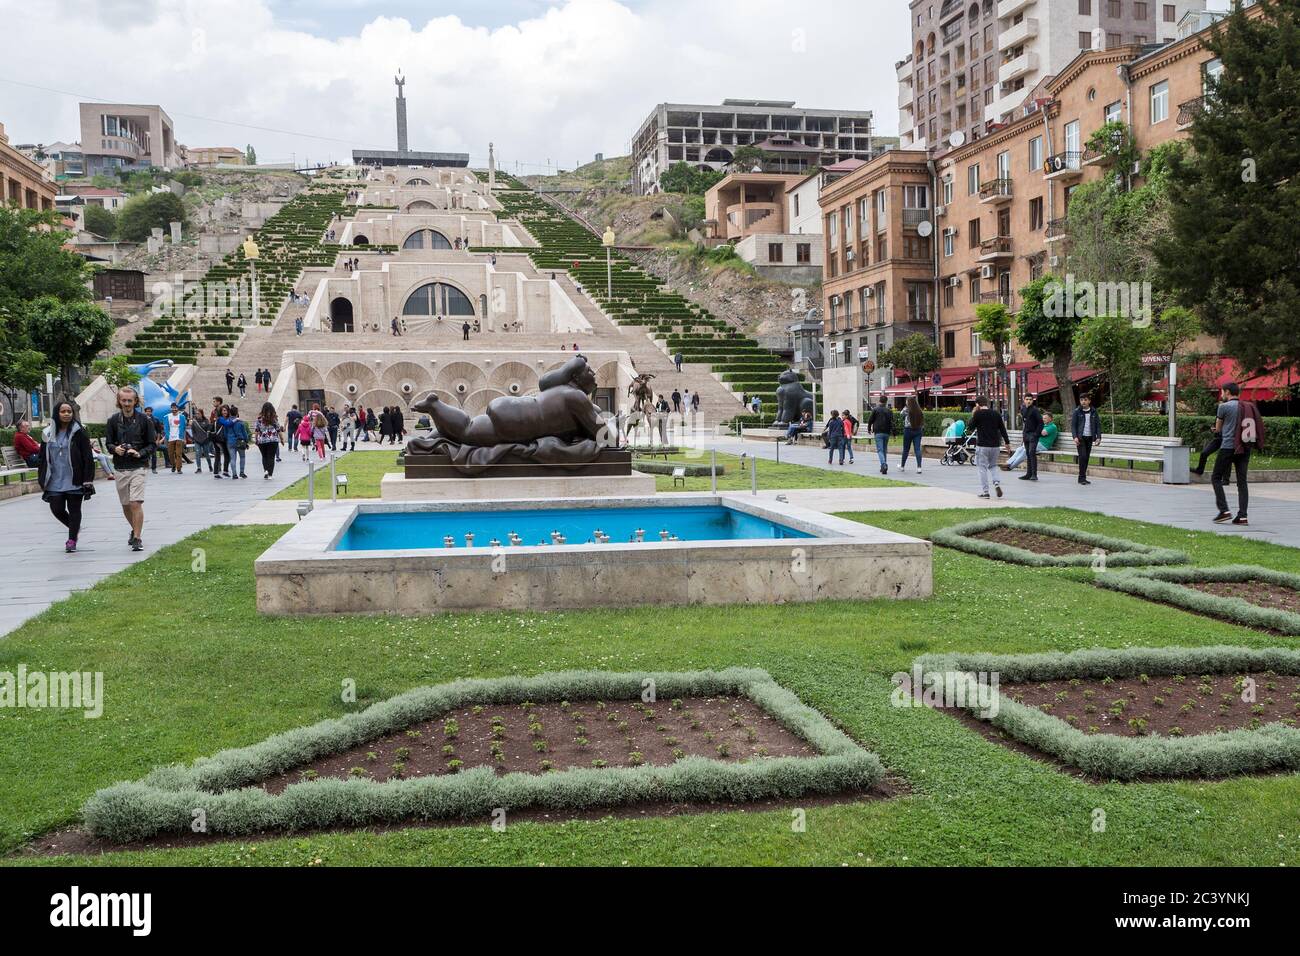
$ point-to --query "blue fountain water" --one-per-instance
(385, 531)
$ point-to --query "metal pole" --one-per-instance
(753, 475)
(311, 480)
(609, 275)
(334, 487)
(1173, 387)
(778, 451)
(713, 468)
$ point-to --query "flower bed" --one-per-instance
(1120, 755)
(227, 788)
(1204, 591)
(1080, 553)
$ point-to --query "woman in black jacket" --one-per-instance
(65, 469)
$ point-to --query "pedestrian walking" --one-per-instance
(332, 421)
(990, 434)
(881, 425)
(399, 424)
(230, 382)
(695, 401)
(1241, 430)
(678, 359)
(304, 433)
(348, 430)
(129, 435)
(913, 431)
(292, 421)
(174, 428)
(201, 435)
(220, 458)
(237, 439)
(677, 401)
(266, 434)
(834, 437)
(1031, 433)
(372, 424)
(1085, 426)
(243, 385)
(65, 471)
(320, 432)
(257, 380)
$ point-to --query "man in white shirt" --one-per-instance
(174, 426)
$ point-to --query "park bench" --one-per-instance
(1118, 448)
(14, 467)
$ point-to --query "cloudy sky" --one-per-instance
(549, 81)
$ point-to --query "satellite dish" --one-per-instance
(957, 138)
(924, 228)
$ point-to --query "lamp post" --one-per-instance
(608, 240)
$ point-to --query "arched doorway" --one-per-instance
(360, 241)
(341, 315)
(417, 181)
(437, 298)
(420, 204)
(426, 239)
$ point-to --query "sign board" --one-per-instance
(864, 352)
(936, 379)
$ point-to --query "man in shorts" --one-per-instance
(129, 436)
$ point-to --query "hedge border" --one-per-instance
(1165, 585)
(1120, 552)
(1272, 747)
(164, 801)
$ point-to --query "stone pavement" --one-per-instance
(1274, 514)
(37, 572)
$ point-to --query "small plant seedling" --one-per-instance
(545, 766)
(413, 734)
(402, 753)
(724, 750)
(1093, 728)
(358, 772)
(582, 742)
(670, 741)
(1175, 731)
(751, 734)
(600, 705)
(709, 736)
(1075, 682)
(535, 729)
(1143, 679)
(1072, 719)
(309, 775)
(371, 756)
(528, 705)
(1045, 708)
(451, 729)
(762, 751)
(399, 769)
(453, 766)
(1062, 694)
(1188, 707)
(1089, 693)
(1158, 701)
(1107, 681)
(636, 758)
(448, 750)
(539, 746)
(599, 763)
(695, 725)
(1137, 723)
(476, 709)
(564, 705)
(676, 704)
(498, 733)
(1089, 708)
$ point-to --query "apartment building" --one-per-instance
(707, 136)
(999, 206)
(127, 136)
(973, 63)
(24, 182)
(878, 279)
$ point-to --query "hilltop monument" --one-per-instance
(401, 111)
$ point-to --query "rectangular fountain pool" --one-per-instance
(410, 557)
(404, 531)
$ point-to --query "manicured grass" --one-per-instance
(365, 469)
(771, 475)
(212, 674)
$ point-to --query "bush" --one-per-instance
(100, 221)
(1119, 552)
(149, 211)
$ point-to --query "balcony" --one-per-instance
(1006, 104)
(998, 191)
(904, 70)
(999, 247)
(995, 298)
(1012, 37)
(914, 217)
(1065, 166)
(1007, 8)
(1056, 229)
(1187, 112)
(1096, 157)
(754, 218)
(905, 96)
(1022, 65)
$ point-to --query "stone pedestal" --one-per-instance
(396, 487)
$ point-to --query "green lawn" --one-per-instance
(365, 469)
(212, 674)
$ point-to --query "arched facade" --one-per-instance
(426, 239)
(437, 298)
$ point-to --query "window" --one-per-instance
(832, 229)
(796, 205)
(916, 197)
(949, 242)
(918, 302)
(1114, 9)
(948, 297)
(973, 234)
(949, 345)
(976, 346)
(974, 286)
(866, 304)
(1085, 8)
(775, 250)
(1085, 39)
(848, 223)
(864, 212)
(1112, 112)
(1160, 102)
(1036, 213)
(915, 247)
(437, 298)
(848, 314)
(1072, 142)
(1140, 11)
(803, 252)
(947, 191)
(882, 205)
(1171, 13)
(972, 179)
(1210, 74)
(1139, 39)
(426, 239)
(1004, 165)
(1036, 153)
(882, 248)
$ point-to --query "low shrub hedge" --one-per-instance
(666, 468)
(222, 785)
(1119, 552)
(1167, 586)
(1272, 747)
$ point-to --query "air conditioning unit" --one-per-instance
(1054, 261)
(868, 293)
(954, 281)
(940, 211)
(987, 272)
(849, 255)
(1137, 168)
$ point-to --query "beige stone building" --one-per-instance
(212, 155)
(23, 182)
(127, 136)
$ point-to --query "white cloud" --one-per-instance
(574, 79)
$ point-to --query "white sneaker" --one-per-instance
(902, 469)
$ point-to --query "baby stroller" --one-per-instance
(960, 451)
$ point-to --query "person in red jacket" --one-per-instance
(28, 448)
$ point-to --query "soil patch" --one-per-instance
(1177, 706)
(1253, 591)
(542, 737)
(1033, 541)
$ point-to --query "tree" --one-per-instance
(1171, 331)
(117, 372)
(68, 333)
(21, 372)
(1046, 330)
(745, 158)
(915, 354)
(149, 211)
(993, 325)
(1114, 345)
(1230, 251)
(681, 177)
(250, 155)
(100, 221)
(34, 263)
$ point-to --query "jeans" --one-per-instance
(234, 454)
(202, 453)
(882, 450)
(836, 442)
(1085, 453)
(986, 463)
(1029, 445)
(1223, 466)
(293, 439)
(911, 435)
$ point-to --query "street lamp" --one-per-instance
(251, 253)
(608, 240)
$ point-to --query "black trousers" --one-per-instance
(334, 435)
(1211, 446)
(67, 509)
(1085, 453)
(268, 450)
(220, 456)
(1223, 467)
(1031, 455)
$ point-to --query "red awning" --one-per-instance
(1219, 372)
(1042, 380)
